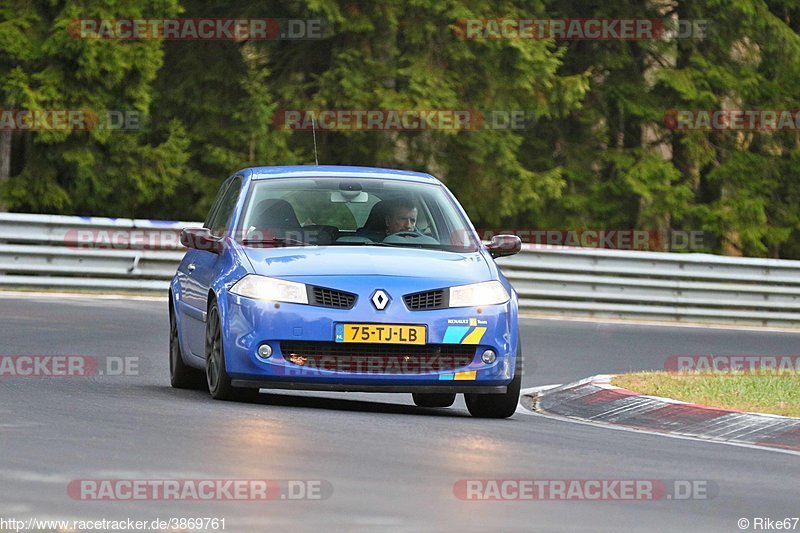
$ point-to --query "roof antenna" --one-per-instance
(314, 134)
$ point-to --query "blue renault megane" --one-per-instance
(345, 279)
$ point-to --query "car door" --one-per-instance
(201, 267)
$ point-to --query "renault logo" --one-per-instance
(380, 299)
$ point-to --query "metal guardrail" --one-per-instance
(656, 285)
(89, 253)
(95, 254)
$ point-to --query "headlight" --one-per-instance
(478, 294)
(275, 290)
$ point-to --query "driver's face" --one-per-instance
(402, 219)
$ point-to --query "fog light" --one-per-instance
(264, 351)
(489, 357)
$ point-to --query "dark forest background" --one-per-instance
(596, 151)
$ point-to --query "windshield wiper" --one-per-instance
(362, 243)
(439, 247)
(276, 240)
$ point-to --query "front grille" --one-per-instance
(322, 297)
(371, 358)
(420, 301)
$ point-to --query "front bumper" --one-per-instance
(250, 323)
(367, 387)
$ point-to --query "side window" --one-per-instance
(215, 204)
(221, 217)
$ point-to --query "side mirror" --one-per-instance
(201, 239)
(504, 245)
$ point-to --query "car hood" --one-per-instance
(289, 262)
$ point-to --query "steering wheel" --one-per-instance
(410, 237)
(406, 233)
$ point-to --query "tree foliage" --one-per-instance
(597, 153)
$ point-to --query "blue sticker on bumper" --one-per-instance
(454, 334)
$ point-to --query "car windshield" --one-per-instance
(346, 211)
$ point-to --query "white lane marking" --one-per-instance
(641, 322)
(524, 410)
(81, 295)
(49, 477)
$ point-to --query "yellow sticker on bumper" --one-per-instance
(474, 336)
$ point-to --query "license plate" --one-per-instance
(381, 333)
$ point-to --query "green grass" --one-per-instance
(772, 393)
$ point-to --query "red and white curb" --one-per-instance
(594, 400)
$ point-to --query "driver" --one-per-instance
(401, 216)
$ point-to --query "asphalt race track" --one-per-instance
(392, 466)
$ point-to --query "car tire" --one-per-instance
(217, 378)
(181, 375)
(434, 399)
(498, 405)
